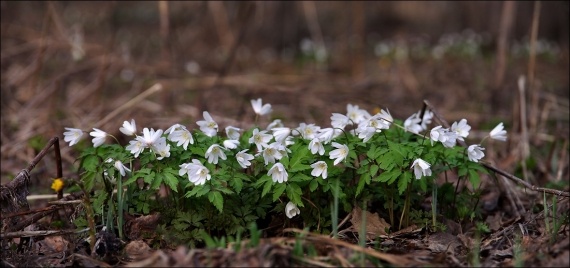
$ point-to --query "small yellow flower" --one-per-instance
(57, 184)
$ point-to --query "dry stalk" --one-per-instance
(155, 88)
(524, 147)
(532, 63)
(391, 258)
(40, 233)
(507, 18)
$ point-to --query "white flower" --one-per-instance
(208, 125)
(98, 137)
(150, 137)
(327, 134)
(274, 124)
(475, 152)
(412, 124)
(428, 115)
(278, 173)
(316, 146)
(260, 138)
(281, 147)
(450, 139)
(121, 167)
(72, 135)
(200, 174)
(231, 144)
(182, 136)
(243, 158)
(338, 154)
(281, 133)
(385, 119)
(443, 135)
(461, 128)
(173, 128)
(437, 134)
(136, 147)
(421, 167)
(416, 125)
(271, 153)
(184, 169)
(232, 132)
(291, 210)
(161, 148)
(214, 152)
(197, 173)
(339, 120)
(319, 168)
(309, 131)
(365, 133)
(259, 109)
(129, 129)
(498, 133)
(355, 114)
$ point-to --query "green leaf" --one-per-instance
(403, 182)
(294, 194)
(313, 185)
(99, 201)
(300, 177)
(299, 167)
(372, 152)
(89, 180)
(373, 170)
(91, 163)
(364, 179)
(462, 171)
(278, 190)
(137, 174)
(296, 160)
(395, 147)
(171, 181)
(217, 200)
(225, 190)
(387, 176)
(266, 188)
(149, 178)
(237, 183)
(158, 178)
(198, 191)
(474, 178)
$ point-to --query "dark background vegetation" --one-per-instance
(216, 56)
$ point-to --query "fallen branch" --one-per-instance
(497, 170)
(41, 233)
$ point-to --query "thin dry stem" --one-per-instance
(532, 62)
(155, 88)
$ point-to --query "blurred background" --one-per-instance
(83, 64)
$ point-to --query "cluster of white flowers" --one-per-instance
(272, 143)
(415, 124)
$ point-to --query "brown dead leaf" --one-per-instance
(375, 226)
(138, 227)
(443, 242)
(52, 244)
(137, 250)
(495, 221)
